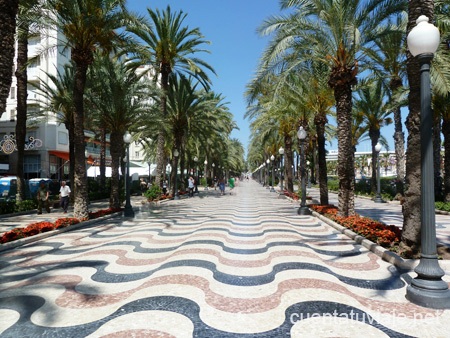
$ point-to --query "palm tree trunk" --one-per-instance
(374, 137)
(22, 93)
(161, 136)
(8, 13)
(289, 184)
(80, 185)
(437, 157)
(346, 166)
(446, 134)
(116, 150)
(411, 207)
(102, 163)
(320, 121)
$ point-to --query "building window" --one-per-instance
(12, 115)
(63, 137)
(136, 154)
(12, 93)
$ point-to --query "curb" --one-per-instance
(383, 253)
(38, 237)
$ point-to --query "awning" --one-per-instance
(60, 154)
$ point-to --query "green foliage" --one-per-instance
(153, 193)
(333, 184)
(26, 205)
(444, 206)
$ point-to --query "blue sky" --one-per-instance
(230, 26)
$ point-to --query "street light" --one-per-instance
(175, 154)
(196, 174)
(427, 289)
(301, 134)
(205, 174)
(272, 158)
(128, 211)
(267, 173)
(378, 198)
(281, 152)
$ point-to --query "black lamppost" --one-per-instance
(427, 289)
(196, 175)
(378, 198)
(205, 174)
(175, 154)
(272, 158)
(128, 211)
(301, 134)
(281, 152)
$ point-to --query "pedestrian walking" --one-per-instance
(222, 186)
(231, 183)
(191, 184)
(42, 197)
(64, 194)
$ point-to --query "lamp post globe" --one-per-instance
(128, 211)
(427, 289)
(301, 135)
(378, 198)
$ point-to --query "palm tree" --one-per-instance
(333, 32)
(58, 98)
(29, 13)
(8, 14)
(410, 241)
(119, 100)
(88, 25)
(370, 105)
(169, 48)
(388, 55)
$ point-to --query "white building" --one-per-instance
(48, 154)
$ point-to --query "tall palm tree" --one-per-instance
(169, 47)
(370, 105)
(58, 98)
(388, 55)
(8, 14)
(88, 25)
(410, 241)
(333, 32)
(29, 14)
(119, 100)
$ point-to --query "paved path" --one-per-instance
(241, 265)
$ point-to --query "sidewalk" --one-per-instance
(244, 265)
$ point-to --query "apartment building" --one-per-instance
(47, 148)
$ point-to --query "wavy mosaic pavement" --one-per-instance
(241, 265)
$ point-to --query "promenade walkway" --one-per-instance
(240, 265)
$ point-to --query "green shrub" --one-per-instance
(26, 205)
(153, 193)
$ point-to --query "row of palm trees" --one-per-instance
(166, 107)
(347, 60)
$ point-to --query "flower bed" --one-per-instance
(384, 235)
(40, 227)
